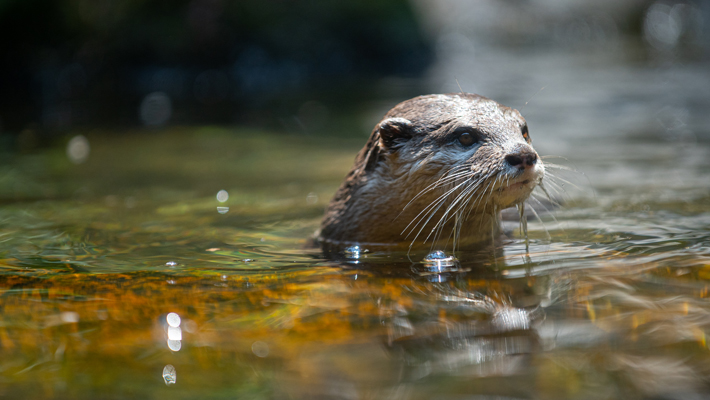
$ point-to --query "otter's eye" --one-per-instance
(467, 139)
(526, 135)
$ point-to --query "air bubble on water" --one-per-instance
(439, 257)
(353, 251)
(436, 256)
(222, 196)
(173, 319)
(222, 210)
(438, 261)
(171, 264)
(169, 375)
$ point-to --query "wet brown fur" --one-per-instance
(413, 147)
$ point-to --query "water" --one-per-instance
(138, 257)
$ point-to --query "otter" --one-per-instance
(435, 172)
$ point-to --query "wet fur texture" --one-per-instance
(415, 184)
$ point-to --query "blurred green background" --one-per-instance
(296, 65)
(176, 156)
(71, 63)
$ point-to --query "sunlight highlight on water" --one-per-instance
(173, 319)
(169, 375)
(608, 296)
(222, 196)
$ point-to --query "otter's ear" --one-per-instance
(394, 131)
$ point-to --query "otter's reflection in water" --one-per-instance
(382, 330)
(466, 333)
(459, 325)
(583, 334)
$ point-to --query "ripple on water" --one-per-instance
(613, 300)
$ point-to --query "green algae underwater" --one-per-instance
(124, 276)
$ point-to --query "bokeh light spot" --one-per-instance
(169, 375)
(78, 149)
(173, 319)
(222, 196)
(260, 349)
(156, 109)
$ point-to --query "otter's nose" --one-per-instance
(522, 158)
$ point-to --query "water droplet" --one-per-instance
(171, 264)
(246, 260)
(222, 196)
(260, 349)
(169, 375)
(222, 210)
(173, 319)
(524, 227)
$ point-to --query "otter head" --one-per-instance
(436, 167)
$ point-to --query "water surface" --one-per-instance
(609, 303)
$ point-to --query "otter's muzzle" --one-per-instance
(522, 157)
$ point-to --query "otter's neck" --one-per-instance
(386, 207)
